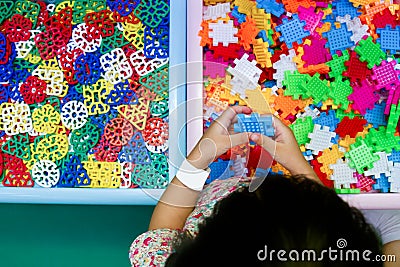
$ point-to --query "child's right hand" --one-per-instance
(285, 149)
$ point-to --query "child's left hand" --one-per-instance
(218, 138)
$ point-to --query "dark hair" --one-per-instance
(284, 213)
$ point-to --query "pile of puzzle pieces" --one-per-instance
(84, 93)
(328, 69)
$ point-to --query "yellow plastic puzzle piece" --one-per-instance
(53, 147)
(134, 33)
(262, 19)
(45, 119)
(103, 174)
(328, 104)
(95, 96)
(263, 56)
(259, 101)
(136, 114)
(329, 156)
(214, 98)
(245, 6)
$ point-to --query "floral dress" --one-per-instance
(152, 248)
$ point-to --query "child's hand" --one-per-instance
(218, 138)
(284, 149)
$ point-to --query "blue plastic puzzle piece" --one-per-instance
(72, 95)
(255, 124)
(338, 38)
(101, 120)
(389, 39)
(341, 8)
(376, 116)
(135, 151)
(221, 169)
(156, 42)
(14, 93)
(292, 31)
(88, 68)
(74, 174)
(123, 7)
(271, 6)
(239, 16)
(382, 184)
(394, 156)
(270, 84)
(121, 94)
(3, 46)
(6, 72)
(3, 94)
(330, 120)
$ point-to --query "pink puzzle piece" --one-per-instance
(214, 67)
(363, 97)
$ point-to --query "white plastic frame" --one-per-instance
(382, 201)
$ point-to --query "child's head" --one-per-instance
(294, 216)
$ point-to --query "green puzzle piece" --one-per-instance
(370, 52)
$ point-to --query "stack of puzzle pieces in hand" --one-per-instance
(328, 69)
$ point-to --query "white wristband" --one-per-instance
(192, 177)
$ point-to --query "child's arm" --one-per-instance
(285, 150)
(177, 202)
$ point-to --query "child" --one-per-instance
(286, 221)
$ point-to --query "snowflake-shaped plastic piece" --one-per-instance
(285, 63)
(222, 32)
(338, 38)
(245, 75)
(386, 76)
(292, 31)
(342, 176)
(215, 12)
(361, 156)
(381, 166)
(74, 115)
(363, 97)
(321, 138)
(45, 173)
(370, 52)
